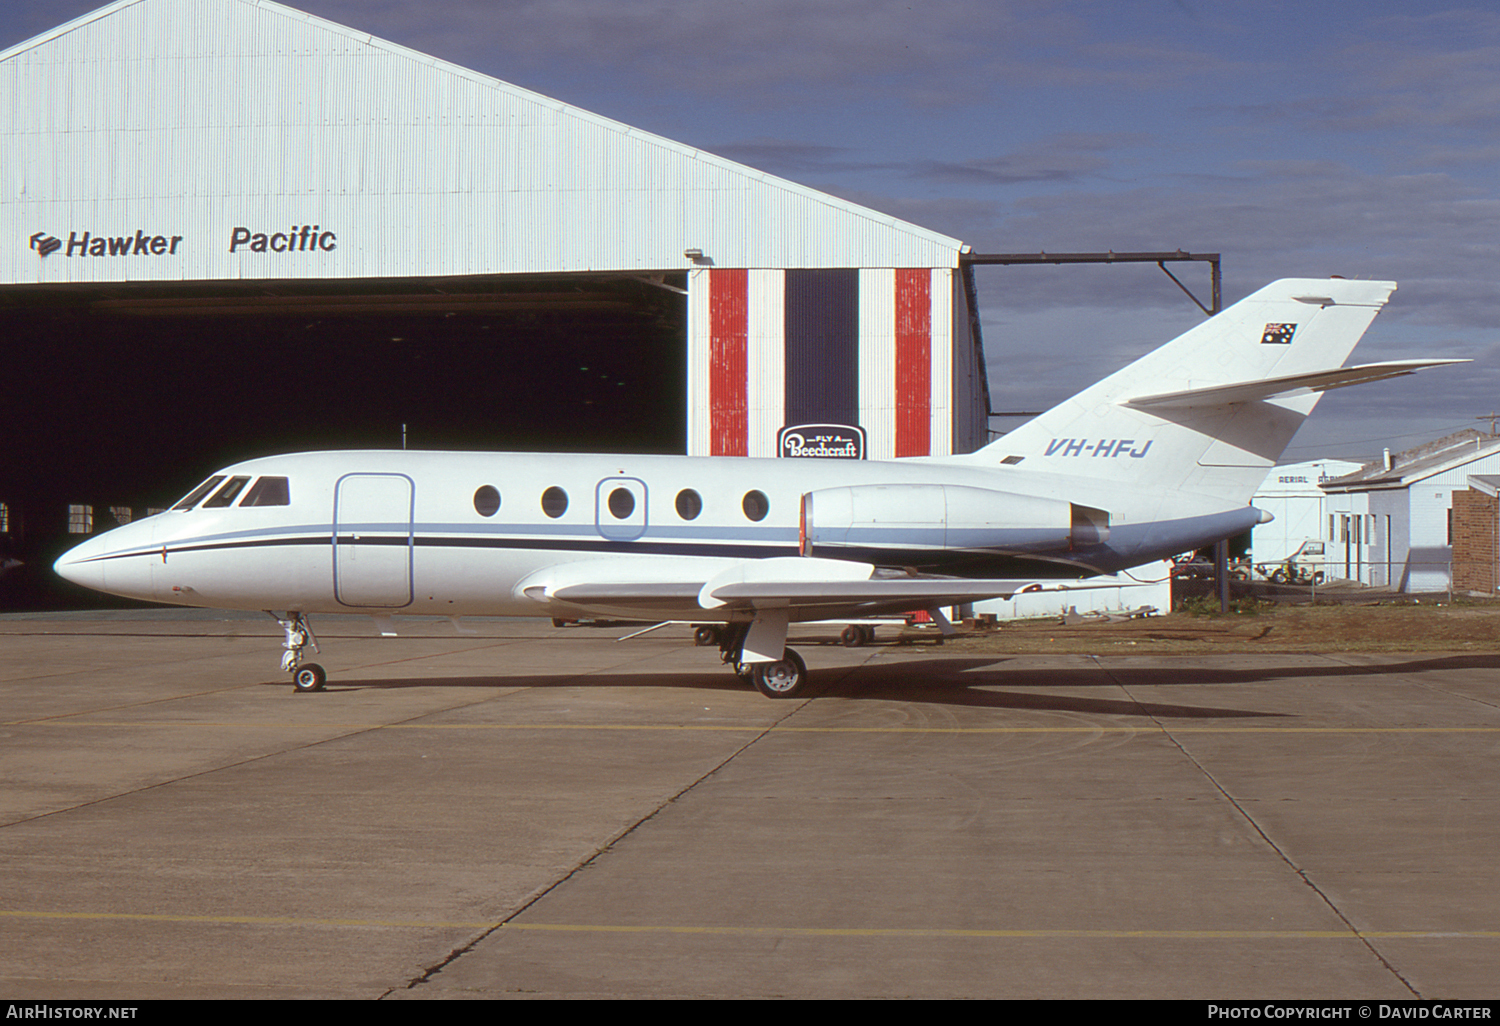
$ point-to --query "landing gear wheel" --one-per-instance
(852, 636)
(705, 636)
(784, 678)
(309, 677)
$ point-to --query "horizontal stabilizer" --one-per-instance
(1286, 386)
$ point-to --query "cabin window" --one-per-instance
(191, 499)
(756, 505)
(554, 502)
(268, 491)
(689, 504)
(621, 503)
(227, 494)
(487, 501)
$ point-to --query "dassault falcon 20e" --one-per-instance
(1160, 457)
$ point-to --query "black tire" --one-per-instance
(1278, 576)
(785, 678)
(852, 636)
(703, 637)
(309, 677)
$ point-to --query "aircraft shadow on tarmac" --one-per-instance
(972, 682)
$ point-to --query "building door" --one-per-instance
(372, 551)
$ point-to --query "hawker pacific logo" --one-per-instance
(89, 244)
(822, 441)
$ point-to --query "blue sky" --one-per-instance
(1307, 138)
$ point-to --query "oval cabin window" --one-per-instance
(486, 501)
(756, 505)
(554, 502)
(689, 504)
(621, 503)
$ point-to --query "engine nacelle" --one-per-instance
(913, 521)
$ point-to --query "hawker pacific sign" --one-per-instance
(80, 244)
(299, 238)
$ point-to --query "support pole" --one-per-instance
(1221, 573)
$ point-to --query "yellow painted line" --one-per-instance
(755, 728)
(240, 920)
(770, 931)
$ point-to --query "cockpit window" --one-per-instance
(225, 495)
(269, 491)
(191, 499)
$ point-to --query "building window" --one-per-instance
(4, 518)
(121, 514)
(80, 520)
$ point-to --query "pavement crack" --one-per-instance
(1261, 833)
(427, 975)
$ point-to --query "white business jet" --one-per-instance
(1160, 457)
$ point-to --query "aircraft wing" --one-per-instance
(807, 588)
(1288, 385)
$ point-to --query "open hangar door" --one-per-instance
(122, 397)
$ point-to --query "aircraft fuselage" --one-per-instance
(461, 533)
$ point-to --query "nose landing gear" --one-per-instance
(306, 677)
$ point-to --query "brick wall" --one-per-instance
(1475, 520)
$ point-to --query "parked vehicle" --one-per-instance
(1305, 566)
(1190, 567)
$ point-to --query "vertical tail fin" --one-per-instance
(1220, 444)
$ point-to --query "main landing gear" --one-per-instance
(779, 678)
(856, 635)
(305, 676)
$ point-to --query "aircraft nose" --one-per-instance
(81, 564)
(113, 562)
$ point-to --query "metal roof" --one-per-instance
(1418, 463)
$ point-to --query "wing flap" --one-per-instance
(808, 588)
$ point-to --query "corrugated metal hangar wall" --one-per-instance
(202, 140)
(238, 159)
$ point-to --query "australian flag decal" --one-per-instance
(1278, 335)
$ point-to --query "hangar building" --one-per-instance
(234, 228)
